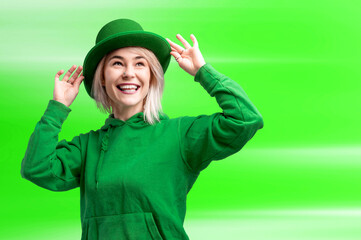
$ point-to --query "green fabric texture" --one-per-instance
(134, 177)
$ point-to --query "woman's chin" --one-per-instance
(128, 104)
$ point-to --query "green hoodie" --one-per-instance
(134, 177)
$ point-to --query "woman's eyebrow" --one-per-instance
(122, 58)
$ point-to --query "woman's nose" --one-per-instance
(128, 72)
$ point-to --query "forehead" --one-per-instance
(127, 52)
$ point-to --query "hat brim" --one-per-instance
(155, 43)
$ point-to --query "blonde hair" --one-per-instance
(152, 106)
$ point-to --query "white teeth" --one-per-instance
(128, 87)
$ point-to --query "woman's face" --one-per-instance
(129, 90)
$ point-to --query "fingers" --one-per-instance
(175, 46)
(194, 40)
(176, 55)
(178, 48)
(78, 81)
(185, 43)
(75, 75)
(68, 73)
(58, 74)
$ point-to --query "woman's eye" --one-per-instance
(119, 63)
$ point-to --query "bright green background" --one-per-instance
(298, 61)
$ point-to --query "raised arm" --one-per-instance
(48, 163)
(213, 137)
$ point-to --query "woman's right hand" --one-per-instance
(66, 90)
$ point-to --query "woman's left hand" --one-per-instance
(189, 58)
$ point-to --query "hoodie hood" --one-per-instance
(135, 121)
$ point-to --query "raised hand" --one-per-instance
(66, 90)
(189, 58)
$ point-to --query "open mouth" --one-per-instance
(128, 89)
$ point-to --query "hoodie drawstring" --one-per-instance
(103, 149)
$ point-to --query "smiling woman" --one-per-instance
(134, 173)
(119, 67)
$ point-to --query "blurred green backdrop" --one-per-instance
(298, 61)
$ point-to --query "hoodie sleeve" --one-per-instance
(213, 137)
(48, 163)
